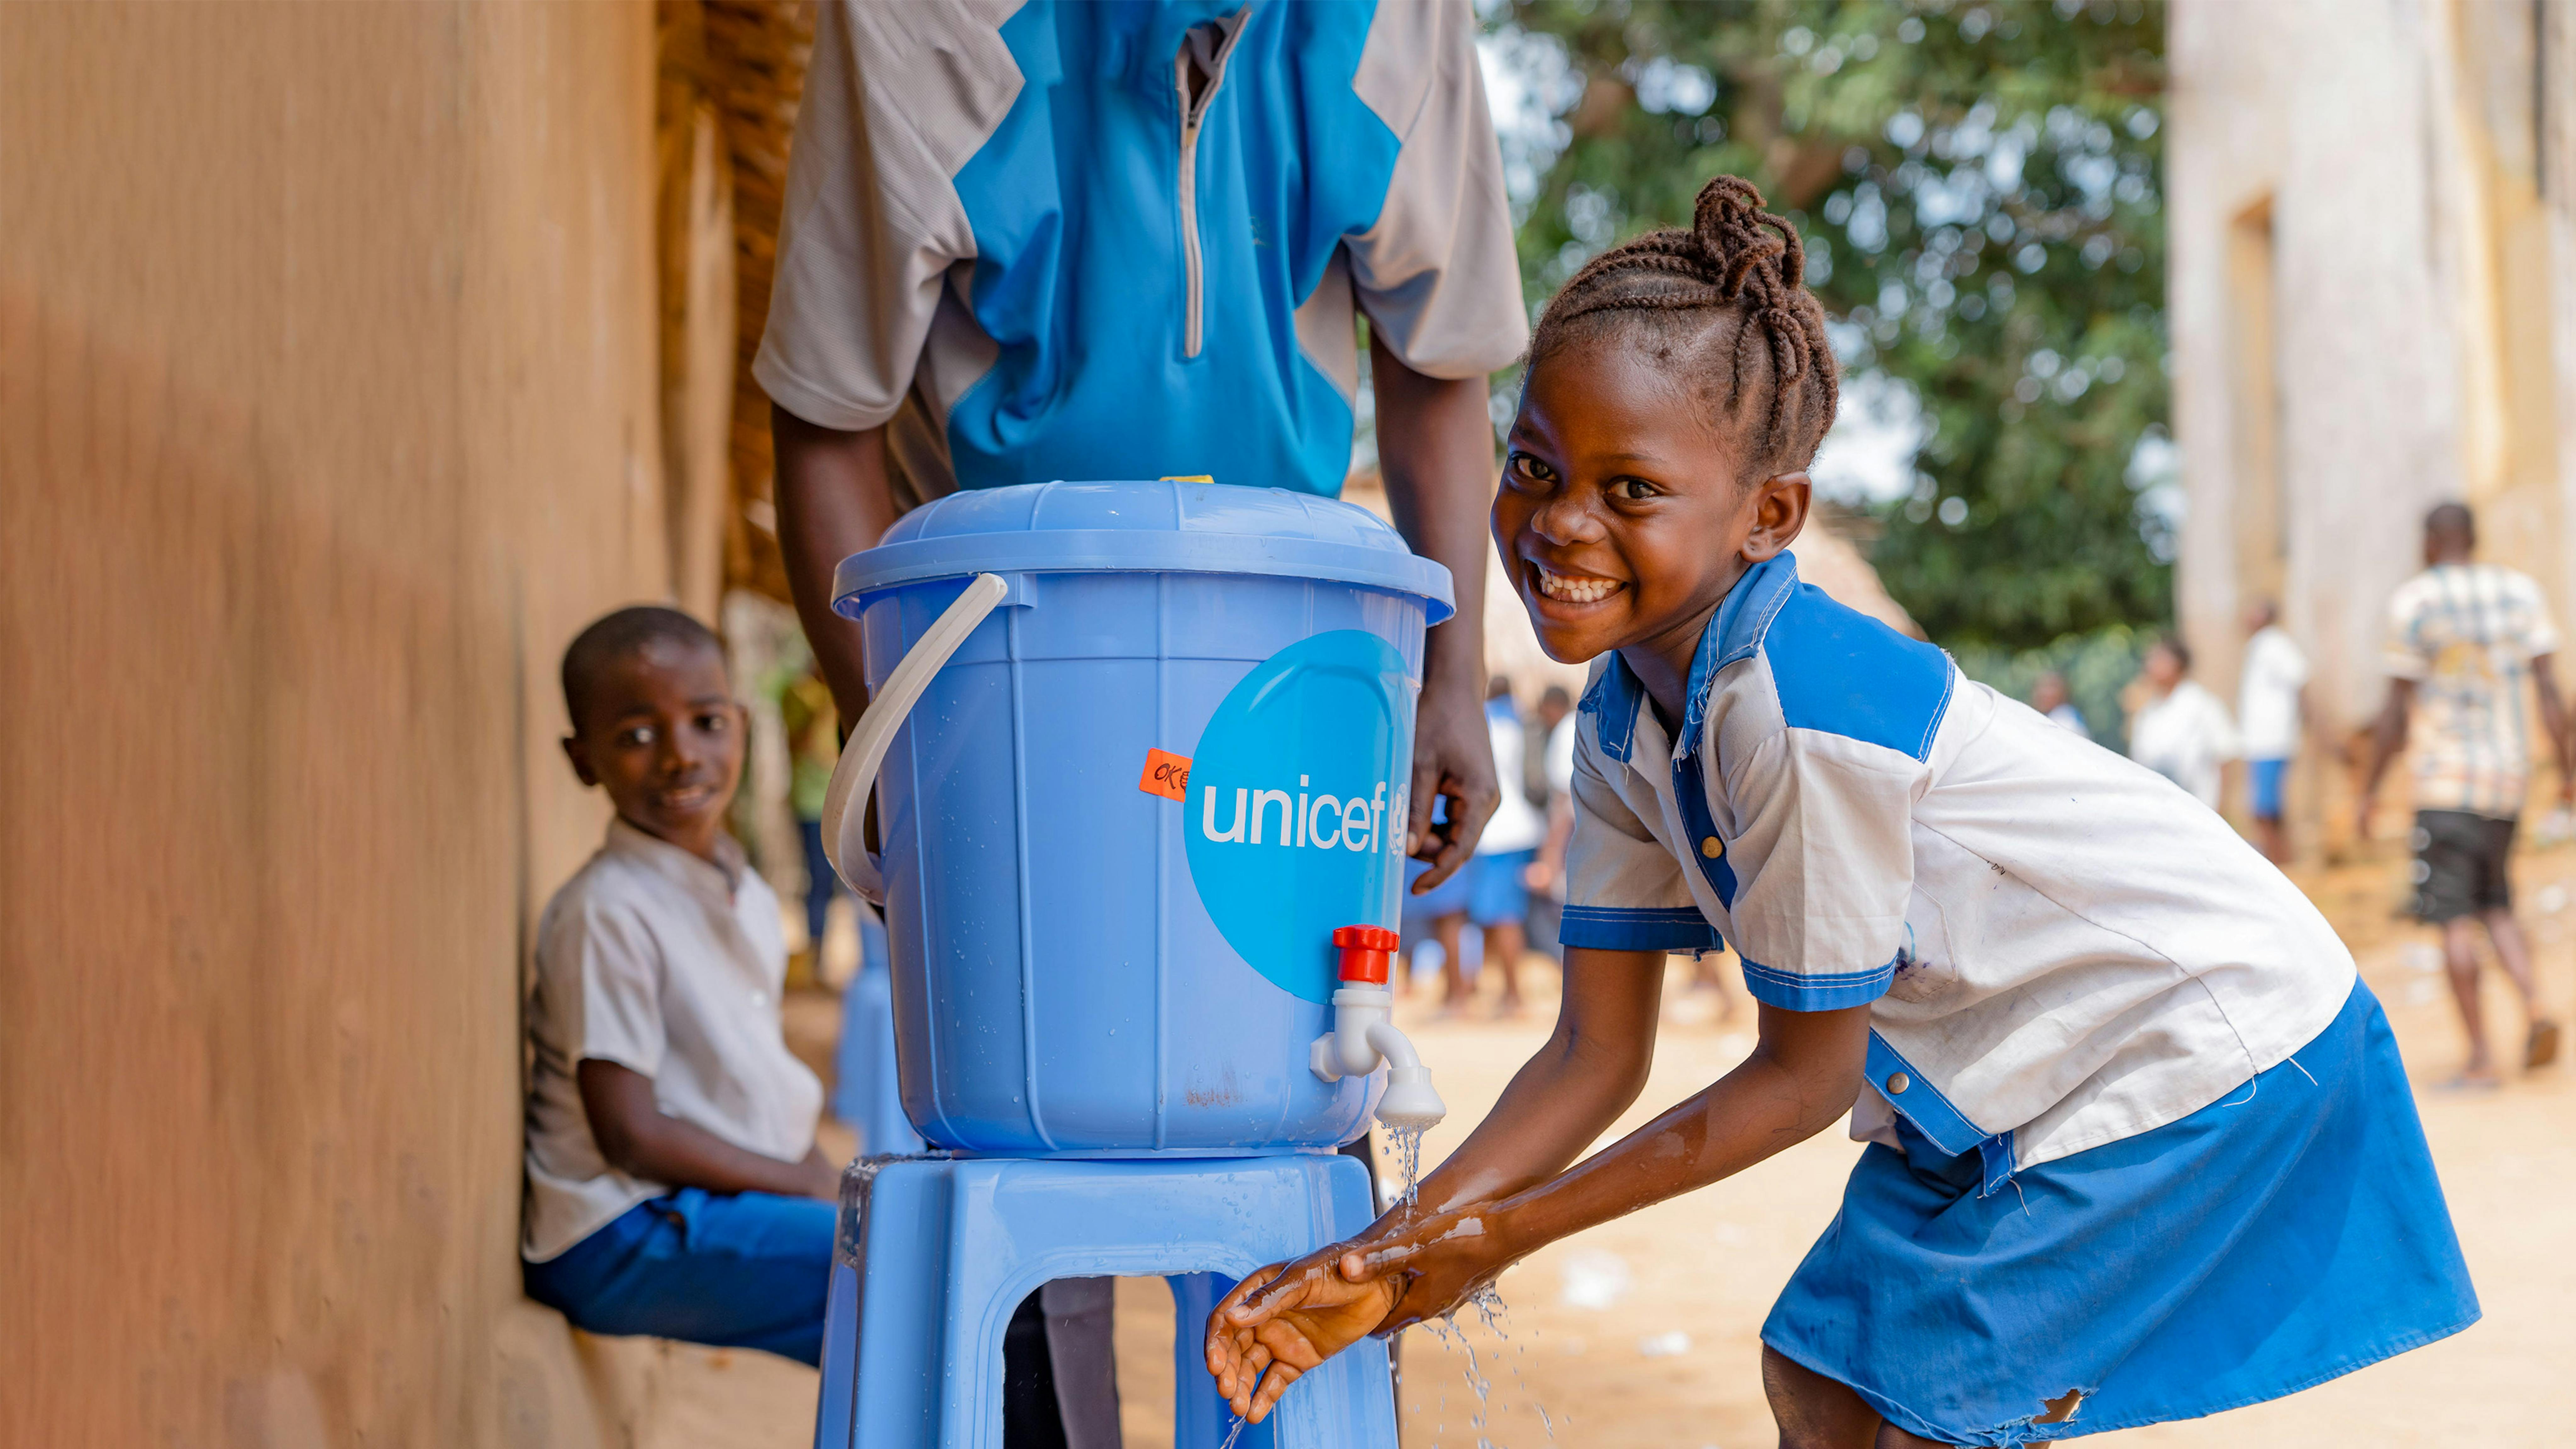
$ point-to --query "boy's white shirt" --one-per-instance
(2059, 947)
(2267, 696)
(654, 959)
(1515, 823)
(2186, 737)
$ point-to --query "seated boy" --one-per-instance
(674, 1187)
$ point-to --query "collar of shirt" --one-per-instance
(1734, 632)
(682, 868)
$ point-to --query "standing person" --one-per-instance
(1498, 878)
(2049, 696)
(2462, 638)
(2272, 704)
(2141, 1144)
(1546, 875)
(2180, 730)
(1438, 916)
(1135, 241)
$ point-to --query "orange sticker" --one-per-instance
(1166, 774)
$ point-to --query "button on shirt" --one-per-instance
(2058, 948)
(657, 960)
(2466, 634)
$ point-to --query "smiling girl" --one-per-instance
(2140, 1144)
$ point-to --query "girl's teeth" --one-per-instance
(1575, 591)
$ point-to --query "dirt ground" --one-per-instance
(1642, 1334)
(1704, 1268)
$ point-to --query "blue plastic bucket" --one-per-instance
(1124, 817)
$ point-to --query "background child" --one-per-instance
(2272, 711)
(2178, 729)
(1496, 902)
(2048, 695)
(2101, 1191)
(674, 1187)
(2463, 636)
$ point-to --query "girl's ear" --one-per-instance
(1779, 512)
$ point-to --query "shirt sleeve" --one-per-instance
(1438, 274)
(897, 98)
(1624, 891)
(1823, 865)
(606, 962)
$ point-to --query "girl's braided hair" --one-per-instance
(1727, 299)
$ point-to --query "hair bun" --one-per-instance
(1734, 256)
(1725, 204)
(1739, 235)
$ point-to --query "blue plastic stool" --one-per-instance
(866, 1092)
(949, 1247)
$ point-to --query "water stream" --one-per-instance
(1405, 1145)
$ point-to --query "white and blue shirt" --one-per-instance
(1041, 240)
(2059, 948)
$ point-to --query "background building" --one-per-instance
(2373, 269)
(351, 359)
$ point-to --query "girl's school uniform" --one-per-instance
(2142, 1146)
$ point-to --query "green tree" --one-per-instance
(1978, 185)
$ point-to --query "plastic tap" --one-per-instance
(1363, 1035)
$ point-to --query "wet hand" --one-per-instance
(1281, 1321)
(1435, 1262)
(1277, 1324)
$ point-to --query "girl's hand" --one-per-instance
(1275, 1326)
(1308, 1312)
(1435, 1263)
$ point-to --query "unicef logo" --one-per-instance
(1296, 804)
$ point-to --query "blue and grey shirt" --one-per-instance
(1123, 240)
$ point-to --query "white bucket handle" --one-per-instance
(854, 775)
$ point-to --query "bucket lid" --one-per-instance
(1170, 526)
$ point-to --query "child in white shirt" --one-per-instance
(2180, 730)
(674, 1187)
(2142, 1148)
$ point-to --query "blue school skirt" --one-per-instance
(2286, 1234)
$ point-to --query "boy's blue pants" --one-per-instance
(746, 1270)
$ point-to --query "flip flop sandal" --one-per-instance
(2541, 1047)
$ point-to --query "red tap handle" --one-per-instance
(1364, 953)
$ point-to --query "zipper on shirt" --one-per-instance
(1193, 111)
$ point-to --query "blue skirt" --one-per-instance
(2287, 1234)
